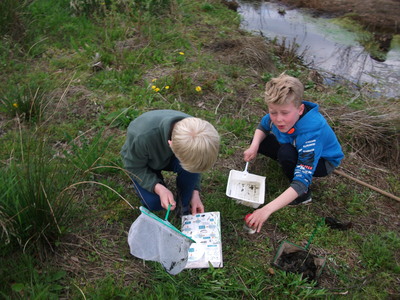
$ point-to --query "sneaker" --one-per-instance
(186, 210)
(181, 210)
(178, 209)
(302, 200)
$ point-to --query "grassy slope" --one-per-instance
(97, 73)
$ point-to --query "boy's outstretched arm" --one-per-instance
(252, 151)
(259, 216)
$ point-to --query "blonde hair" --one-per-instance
(283, 90)
(195, 143)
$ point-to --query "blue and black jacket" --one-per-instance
(313, 139)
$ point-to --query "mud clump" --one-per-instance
(300, 262)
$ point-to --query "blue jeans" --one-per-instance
(185, 184)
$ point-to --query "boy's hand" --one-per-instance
(258, 218)
(166, 196)
(197, 206)
(250, 153)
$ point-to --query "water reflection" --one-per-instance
(326, 47)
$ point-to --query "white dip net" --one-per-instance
(155, 239)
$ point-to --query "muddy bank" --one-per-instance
(375, 15)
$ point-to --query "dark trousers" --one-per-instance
(287, 156)
(185, 183)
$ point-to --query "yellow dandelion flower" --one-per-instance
(15, 105)
(154, 80)
(182, 53)
(156, 90)
(198, 89)
(167, 87)
(153, 87)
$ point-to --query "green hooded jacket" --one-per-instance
(146, 148)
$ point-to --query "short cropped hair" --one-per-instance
(283, 90)
(195, 143)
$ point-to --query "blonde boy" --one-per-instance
(296, 135)
(169, 140)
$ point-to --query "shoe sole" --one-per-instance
(306, 202)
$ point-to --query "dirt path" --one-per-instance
(381, 16)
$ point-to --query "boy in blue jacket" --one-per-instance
(296, 135)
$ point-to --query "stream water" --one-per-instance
(325, 46)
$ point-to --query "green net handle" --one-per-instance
(320, 222)
(167, 214)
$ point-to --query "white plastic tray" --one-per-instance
(247, 189)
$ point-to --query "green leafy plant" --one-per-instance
(267, 77)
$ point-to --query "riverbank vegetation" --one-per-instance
(75, 73)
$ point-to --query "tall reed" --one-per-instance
(33, 211)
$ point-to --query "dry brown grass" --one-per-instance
(373, 133)
(288, 51)
(249, 51)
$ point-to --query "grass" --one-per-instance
(34, 192)
(78, 76)
(29, 280)
(365, 38)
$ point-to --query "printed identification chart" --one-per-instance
(205, 229)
